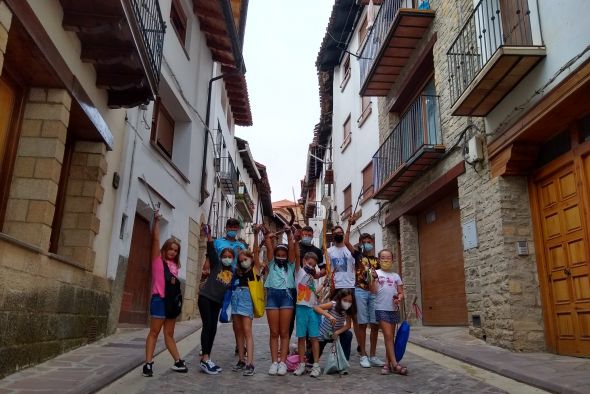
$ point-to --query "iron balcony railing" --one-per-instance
(244, 202)
(418, 128)
(378, 34)
(489, 27)
(227, 173)
(149, 18)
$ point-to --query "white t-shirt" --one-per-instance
(387, 283)
(342, 264)
(306, 289)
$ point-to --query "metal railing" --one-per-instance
(227, 173)
(375, 37)
(243, 197)
(149, 18)
(419, 127)
(488, 28)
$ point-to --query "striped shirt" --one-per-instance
(326, 328)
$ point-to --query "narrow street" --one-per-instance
(429, 373)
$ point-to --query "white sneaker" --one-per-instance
(376, 362)
(315, 371)
(365, 363)
(282, 371)
(300, 369)
(274, 368)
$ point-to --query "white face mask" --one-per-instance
(246, 264)
(346, 305)
(227, 261)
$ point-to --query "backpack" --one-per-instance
(172, 293)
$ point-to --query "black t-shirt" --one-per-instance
(303, 249)
(242, 279)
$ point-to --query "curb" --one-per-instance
(102, 381)
(513, 373)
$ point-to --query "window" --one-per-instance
(347, 133)
(347, 202)
(363, 32)
(365, 110)
(10, 106)
(179, 21)
(346, 71)
(368, 182)
(163, 129)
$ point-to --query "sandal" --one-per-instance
(399, 370)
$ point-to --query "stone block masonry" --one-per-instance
(37, 167)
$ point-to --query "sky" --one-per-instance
(281, 44)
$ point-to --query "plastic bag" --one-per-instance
(336, 361)
(225, 315)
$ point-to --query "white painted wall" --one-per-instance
(566, 33)
(348, 163)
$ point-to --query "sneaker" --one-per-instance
(239, 366)
(180, 366)
(274, 369)
(344, 372)
(300, 370)
(249, 370)
(316, 370)
(385, 370)
(215, 366)
(376, 362)
(365, 363)
(148, 369)
(208, 367)
(282, 371)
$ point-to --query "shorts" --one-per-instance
(307, 322)
(241, 302)
(365, 306)
(391, 317)
(279, 299)
(157, 307)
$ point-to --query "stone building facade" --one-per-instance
(504, 295)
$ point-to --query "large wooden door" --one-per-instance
(442, 274)
(560, 204)
(136, 293)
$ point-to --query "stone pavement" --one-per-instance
(91, 367)
(425, 376)
(548, 371)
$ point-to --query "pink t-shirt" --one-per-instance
(158, 282)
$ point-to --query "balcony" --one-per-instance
(497, 47)
(227, 174)
(398, 28)
(244, 203)
(413, 146)
(313, 209)
(123, 39)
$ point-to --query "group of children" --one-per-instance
(363, 289)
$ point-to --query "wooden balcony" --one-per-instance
(398, 28)
(497, 47)
(123, 39)
(409, 150)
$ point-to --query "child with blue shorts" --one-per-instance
(307, 320)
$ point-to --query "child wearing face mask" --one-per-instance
(336, 321)
(243, 310)
(307, 319)
(389, 291)
(211, 299)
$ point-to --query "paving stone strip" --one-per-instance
(91, 367)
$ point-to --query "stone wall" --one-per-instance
(47, 305)
(193, 272)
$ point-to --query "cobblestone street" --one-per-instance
(425, 376)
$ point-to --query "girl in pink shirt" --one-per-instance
(170, 253)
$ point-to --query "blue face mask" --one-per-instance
(306, 240)
(367, 247)
(231, 233)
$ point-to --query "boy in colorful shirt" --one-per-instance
(307, 322)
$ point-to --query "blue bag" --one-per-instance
(401, 340)
(225, 315)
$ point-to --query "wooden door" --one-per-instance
(516, 23)
(136, 293)
(442, 274)
(561, 209)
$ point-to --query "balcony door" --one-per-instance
(516, 24)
